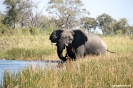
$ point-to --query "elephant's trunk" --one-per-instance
(60, 47)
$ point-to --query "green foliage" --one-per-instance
(89, 23)
(121, 26)
(63, 14)
(4, 30)
(108, 25)
(12, 12)
(20, 13)
(104, 23)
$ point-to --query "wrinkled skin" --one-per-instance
(77, 44)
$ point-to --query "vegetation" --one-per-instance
(26, 46)
(62, 14)
(102, 71)
(24, 35)
(91, 71)
(67, 12)
(23, 45)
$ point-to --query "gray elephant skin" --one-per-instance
(77, 44)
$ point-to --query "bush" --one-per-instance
(5, 30)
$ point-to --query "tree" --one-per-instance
(29, 13)
(25, 11)
(105, 23)
(11, 13)
(121, 26)
(45, 22)
(129, 30)
(89, 23)
(66, 13)
(22, 12)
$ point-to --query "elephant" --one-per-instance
(77, 44)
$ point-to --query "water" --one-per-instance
(17, 65)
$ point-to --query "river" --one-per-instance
(17, 65)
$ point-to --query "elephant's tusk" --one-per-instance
(53, 43)
(66, 44)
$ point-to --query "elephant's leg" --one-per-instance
(71, 52)
(80, 52)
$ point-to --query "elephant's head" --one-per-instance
(66, 38)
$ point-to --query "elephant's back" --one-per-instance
(95, 44)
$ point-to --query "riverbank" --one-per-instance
(13, 67)
(27, 47)
(92, 71)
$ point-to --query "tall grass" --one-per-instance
(99, 72)
(90, 72)
(26, 47)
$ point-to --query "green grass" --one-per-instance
(89, 72)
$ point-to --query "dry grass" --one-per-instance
(99, 72)
(90, 72)
(26, 47)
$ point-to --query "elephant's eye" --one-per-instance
(70, 39)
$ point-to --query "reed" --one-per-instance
(112, 70)
(26, 47)
(101, 72)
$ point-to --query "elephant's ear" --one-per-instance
(55, 35)
(79, 38)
